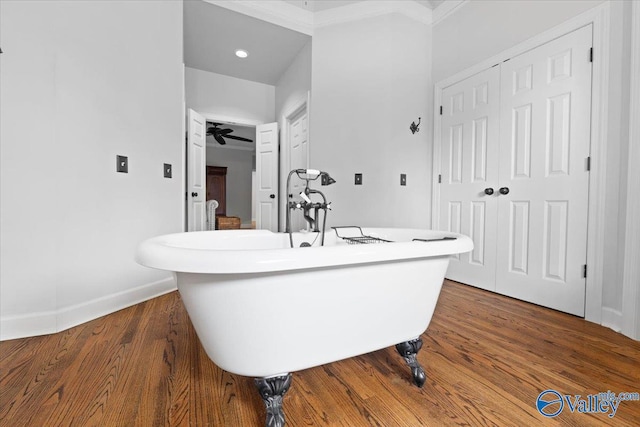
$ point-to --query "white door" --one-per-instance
(267, 177)
(469, 166)
(196, 166)
(298, 159)
(529, 143)
(544, 146)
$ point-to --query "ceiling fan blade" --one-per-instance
(224, 131)
(220, 139)
(239, 138)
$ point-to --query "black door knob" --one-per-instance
(194, 194)
(272, 196)
(504, 190)
(488, 191)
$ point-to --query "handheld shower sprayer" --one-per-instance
(306, 205)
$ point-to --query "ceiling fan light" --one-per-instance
(240, 53)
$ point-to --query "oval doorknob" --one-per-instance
(504, 190)
(272, 196)
(488, 191)
(194, 194)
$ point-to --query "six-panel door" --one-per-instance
(529, 144)
(470, 137)
(544, 145)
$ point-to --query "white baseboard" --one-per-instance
(28, 325)
(612, 319)
(51, 322)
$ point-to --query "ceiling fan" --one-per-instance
(220, 134)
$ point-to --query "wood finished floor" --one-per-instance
(487, 358)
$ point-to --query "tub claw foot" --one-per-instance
(408, 350)
(272, 391)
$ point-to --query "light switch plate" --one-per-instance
(403, 179)
(358, 179)
(167, 170)
(122, 164)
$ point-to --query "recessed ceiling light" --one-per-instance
(241, 53)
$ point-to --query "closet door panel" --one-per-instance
(469, 165)
(544, 144)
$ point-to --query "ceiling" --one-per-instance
(213, 33)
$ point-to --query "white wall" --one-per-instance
(294, 83)
(82, 82)
(370, 80)
(292, 90)
(631, 265)
(618, 136)
(480, 30)
(229, 97)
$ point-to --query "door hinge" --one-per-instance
(439, 179)
(591, 55)
(589, 163)
(441, 110)
(584, 271)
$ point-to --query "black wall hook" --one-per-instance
(415, 127)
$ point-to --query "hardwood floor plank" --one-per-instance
(45, 365)
(180, 384)
(486, 357)
(91, 377)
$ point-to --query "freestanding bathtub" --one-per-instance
(289, 309)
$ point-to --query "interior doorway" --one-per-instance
(294, 155)
(216, 145)
(230, 163)
(245, 177)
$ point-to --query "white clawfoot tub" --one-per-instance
(292, 309)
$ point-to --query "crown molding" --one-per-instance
(289, 16)
(368, 9)
(447, 8)
(274, 11)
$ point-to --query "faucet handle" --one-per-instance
(328, 206)
(305, 197)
